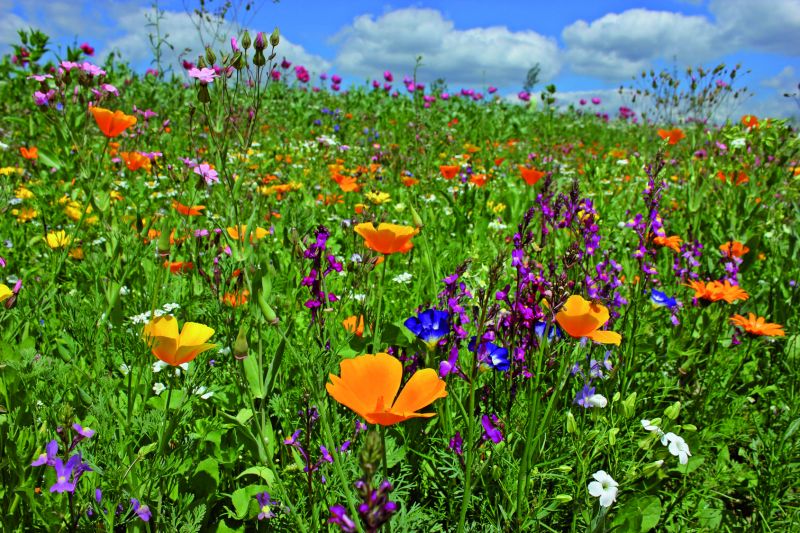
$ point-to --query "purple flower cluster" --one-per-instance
(70, 468)
(322, 264)
(645, 227)
(687, 261)
(374, 510)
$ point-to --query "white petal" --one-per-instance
(608, 497)
(595, 489)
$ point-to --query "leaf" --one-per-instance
(254, 380)
(244, 415)
(210, 467)
(50, 160)
(241, 502)
(261, 471)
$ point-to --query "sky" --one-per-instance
(585, 47)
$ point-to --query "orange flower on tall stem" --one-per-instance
(188, 210)
(750, 122)
(713, 291)
(134, 161)
(176, 267)
(733, 249)
(757, 325)
(175, 348)
(530, 175)
(672, 136)
(112, 123)
(354, 324)
(29, 153)
(369, 385)
(387, 238)
(672, 242)
(238, 233)
(448, 171)
(582, 318)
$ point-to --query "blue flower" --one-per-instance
(429, 326)
(662, 300)
(493, 355)
(552, 331)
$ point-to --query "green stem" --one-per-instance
(376, 339)
(533, 410)
(163, 441)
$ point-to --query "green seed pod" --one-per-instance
(275, 38)
(211, 57)
(240, 346)
(246, 41)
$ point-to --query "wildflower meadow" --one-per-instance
(240, 297)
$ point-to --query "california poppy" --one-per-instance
(530, 175)
(713, 291)
(408, 181)
(189, 211)
(346, 183)
(733, 249)
(672, 136)
(478, 179)
(448, 171)
(173, 348)
(582, 318)
(239, 233)
(235, 299)
(750, 121)
(5, 292)
(672, 242)
(369, 385)
(757, 325)
(112, 123)
(176, 267)
(134, 161)
(388, 238)
(29, 153)
(352, 324)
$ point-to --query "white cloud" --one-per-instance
(474, 57)
(618, 46)
(763, 25)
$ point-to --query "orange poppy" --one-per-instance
(176, 267)
(134, 161)
(499, 161)
(736, 178)
(408, 181)
(733, 249)
(29, 153)
(672, 242)
(750, 121)
(713, 291)
(113, 149)
(330, 199)
(388, 238)
(354, 324)
(235, 299)
(530, 175)
(582, 318)
(757, 325)
(449, 171)
(369, 385)
(672, 136)
(239, 233)
(175, 348)
(346, 183)
(479, 179)
(189, 211)
(112, 123)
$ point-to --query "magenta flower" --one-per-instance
(92, 70)
(276, 75)
(285, 64)
(596, 100)
(582, 101)
(207, 173)
(69, 65)
(336, 79)
(87, 49)
(492, 89)
(40, 77)
(203, 75)
(388, 76)
(525, 96)
(42, 99)
(234, 45)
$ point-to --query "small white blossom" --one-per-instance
(356, 258)
(598, 400)
(125, 369)
(648, 426)
(203, 392)
(497, 225)
(604, 487)
(158, 388)
(404, 278)
(124, 291)
(677, 447)
(158, 366)
(224, 351)
(359, 297)
(738, 143)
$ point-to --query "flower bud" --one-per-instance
(163, 243)
(259, 60)
(202, 94)
(415, 218)
(275, 38)
(211, 57)
(246, 41)
(238, 61)
(240, 346)
(260, 45)
(266, 310)
(201, 62)
(370, 455)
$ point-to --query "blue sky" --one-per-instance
(584, 47)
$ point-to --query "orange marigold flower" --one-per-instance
(582, 318)
(346, 183)
(369, 385)
(750, 121)
(733, 249)
(187, 210)
(354, 324)
(388, 238)
(112, 123)
(757, 325)
(672, 136)
(29, 153)
(175, 348)
(449, 171)
(672, 242)
(713, 291)
(530, 175)
(134, 161)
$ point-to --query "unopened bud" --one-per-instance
(266, 310)
(275, 38)
(259, 60)
(240, 346)
(238, 61)
(201, 62)
(211, 57)
(416, 219)
(163, 243)
(371, 453)
(260, 45)
(246, 41)
(202, 94)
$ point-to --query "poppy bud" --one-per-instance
(163, 243)
(275, 38)
(266, 310)
(416, 219)
(240, 346)
(211, 57)
(246, 41)
(260, 45)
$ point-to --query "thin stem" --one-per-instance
(376, 339)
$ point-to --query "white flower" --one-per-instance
(184, 366)
(158, 388)
(648, 426)
(171, 307)
(677, 447)
(405, 278)
(738, 143)
(497, 225)
(356, 258)
(604, 487)
(622, 162)
(359, 297)
(597, 400)
(203, 392)
(224, 351)
(124, 290)
(158, 366)
(124, 369)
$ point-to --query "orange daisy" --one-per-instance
(387, 238)
(672, 136)
(713, 291)
(112, 123)
(672, 242)
(29, 153)
(187, 210)
(757, 325)
(733, 249)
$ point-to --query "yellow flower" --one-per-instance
(176, 348)
(25, 214)
(7, 171)
(58, 239)
(5, 293)
(255, 235)
(377, 198)
(23, 193)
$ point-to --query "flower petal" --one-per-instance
(421, 390)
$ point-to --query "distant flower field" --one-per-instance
(240, 297)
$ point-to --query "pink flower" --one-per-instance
(207, 173)
(582, 101)
(525, 96)
(234, 45)
(42, 99)
(596, 100)
(388, 76)
(204, 75)
(88, 50)
(492, 89)
(285, 64)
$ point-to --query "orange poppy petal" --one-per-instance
(605, 337)
(421, 390)
(184, 354)
(194, 334)
(375, 377)
(389, 418)
(342, 393)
